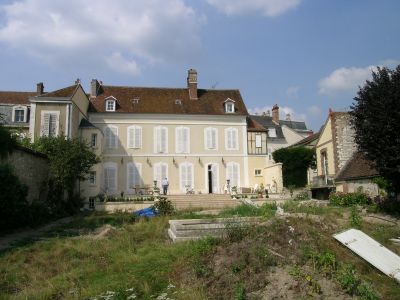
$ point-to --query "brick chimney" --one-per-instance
(94, 88)
(275, 113)
(39, 88)
(192, 84)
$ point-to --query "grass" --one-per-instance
(138, 259)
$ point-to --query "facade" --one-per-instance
(201, 140)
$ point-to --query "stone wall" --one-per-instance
(343, 135)
(32, 168)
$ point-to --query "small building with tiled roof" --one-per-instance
(356, 175)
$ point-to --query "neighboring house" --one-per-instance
(356, 175)
(281, 133)
(15, 110)
(58, 112)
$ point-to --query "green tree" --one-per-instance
(376, 120)
(70, 160)
(7, 141)
(295, 162)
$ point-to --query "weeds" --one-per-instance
(355, 218)
(240, 292)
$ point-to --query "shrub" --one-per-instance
(302, 196)
(387, 205)
(164, 207)
(355, 218)
(348, 199)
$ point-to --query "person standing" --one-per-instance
(165, 185)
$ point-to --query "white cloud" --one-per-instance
(282, 112)
(344, 79)
(102, 32)
(269, 8)
(349, 79)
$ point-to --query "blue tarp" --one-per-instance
(146, 212)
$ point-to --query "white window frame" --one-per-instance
(50, 112)
(93, 140)
(106, 139)
(92, 178)
(24, 109)
(235, 134)
(113, 101)
(159, 180)
(180, 146)
(229, 165)
(110, 166)
(229, 106)
(208, 132)
(258, 171)
(136, 141)
(158, 143)
(129, 186)
(258, 140)
(183, 186)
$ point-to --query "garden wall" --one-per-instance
(32, 169)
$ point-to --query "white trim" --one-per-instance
(235, 132)
(67, 127)
(32, 121)
(187, 145)
(50, 100)
(110, 99)
(116, 142)
(186, 164)
(161, 128)
(19, 107)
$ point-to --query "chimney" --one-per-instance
(288, 117)
(94, 88)
(77, 81)
(275, 113)
(192, 84)
(39, 88)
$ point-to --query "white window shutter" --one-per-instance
(45, 124)
(131, 137)
(213, 135)
(189, 173)
(185, 140)
(234, 139)
(138, 137)
(158, 139)
(179, 140)
(208, 138)
(157, 174)
(214, 171)
(163, 140)
(235, 174)
(114, 134)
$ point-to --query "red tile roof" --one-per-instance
(15, 97)
(163, 101)
(64, 92)
(357, 167)
(253, 125)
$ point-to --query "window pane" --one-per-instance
(258, 140)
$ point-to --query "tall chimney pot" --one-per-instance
(39, 88)
(94, 88)
(275, 113)
(192, 84)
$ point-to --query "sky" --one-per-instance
(305, 55)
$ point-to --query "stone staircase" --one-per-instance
(193, 229)
(205, 201)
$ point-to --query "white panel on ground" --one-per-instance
(370, 250)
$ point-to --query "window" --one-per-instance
(232, 173)
(19, 114)
(270, 150)
(93, 140)
(160, 172)
(182, 140)
(210, 138)
(49, 123)
(92, 178)
(231, 139)
(110, 104)
(186, 176)
(134, 177)
(257, 172)
(111, 137)
(229, 106)
(258, 141)
(271, 132)
(161, 139)
(110, 178)
(135, 137)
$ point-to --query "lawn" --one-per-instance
(134, 259)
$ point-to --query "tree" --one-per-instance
(295, 162)
(7, 141)
(70, 160)
(376, 120)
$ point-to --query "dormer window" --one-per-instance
(110, 104)
(229, 106)
(19, 114)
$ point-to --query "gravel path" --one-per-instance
(6, 241)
